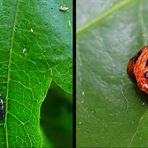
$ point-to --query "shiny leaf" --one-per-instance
(35, 48)
(111, 111)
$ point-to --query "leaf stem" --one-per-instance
(8, 80)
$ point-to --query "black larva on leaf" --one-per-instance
(1, 107)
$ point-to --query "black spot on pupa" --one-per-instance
(146, 75)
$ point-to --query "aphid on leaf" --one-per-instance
(1, 107)
(63, 8)
(137, 69)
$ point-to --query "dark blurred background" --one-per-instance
(56, 117)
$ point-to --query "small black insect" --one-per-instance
(1, 107)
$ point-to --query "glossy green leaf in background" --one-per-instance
(56, 117)
(35, 48)
(111, 111)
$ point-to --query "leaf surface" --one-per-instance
(111, 111)
(35, 48)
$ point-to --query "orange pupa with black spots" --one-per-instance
(137, 69)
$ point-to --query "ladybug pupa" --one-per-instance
(137, 69)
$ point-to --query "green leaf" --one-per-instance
(111, 111)
(35, 48)
(45, 141)
(56, 116)
(85, 13)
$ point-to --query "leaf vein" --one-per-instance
(9, 65)
(96, 20)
